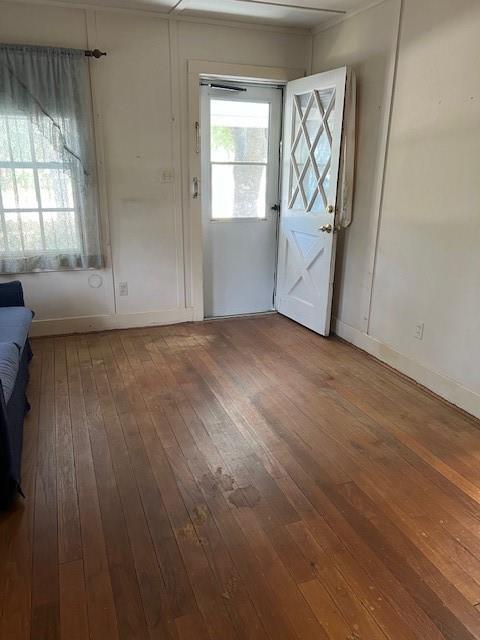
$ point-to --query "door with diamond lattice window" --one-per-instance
(312, 140)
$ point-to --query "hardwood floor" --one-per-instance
(238, 479)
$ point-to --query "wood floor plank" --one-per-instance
(130, 615)
(100, 603)
(73, 601)
(241, 479)
(45, 587)
(69, 533)
(191, 627)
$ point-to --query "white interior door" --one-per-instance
(313, 124)
(241, 127)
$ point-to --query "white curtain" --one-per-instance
(48, 184)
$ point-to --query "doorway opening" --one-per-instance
(241, 132)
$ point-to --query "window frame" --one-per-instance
(35, 165)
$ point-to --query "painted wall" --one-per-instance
(427, 261)
(140, 100)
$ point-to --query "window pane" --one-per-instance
(32, 235)
(27, 196)
(4, 148)
(13, 231)
(238, 191)
(239, 131)
(44, 151)
(19, 139)
(18, 189)
(55, 189)
(60, 231)
(311, 151)
(7, 187)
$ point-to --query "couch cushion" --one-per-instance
(11, 294)
(9, 363)
(14, 325)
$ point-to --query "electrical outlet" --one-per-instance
(419, 329)
(123, 288)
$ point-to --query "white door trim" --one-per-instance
(226, 71)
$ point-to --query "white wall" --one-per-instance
(140, 99)
(427, 258)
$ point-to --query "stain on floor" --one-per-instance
(244, 497)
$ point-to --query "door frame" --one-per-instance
(198, 69)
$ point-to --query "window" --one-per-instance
(239, 158)
(38, 211)
(49, 214)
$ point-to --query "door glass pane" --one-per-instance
(312, 121)
(239, 131)
(238, 191)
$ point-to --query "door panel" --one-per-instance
(240, 178)
(313, 131)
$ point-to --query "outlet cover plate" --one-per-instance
(419, 329)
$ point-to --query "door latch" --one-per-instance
(194, 188)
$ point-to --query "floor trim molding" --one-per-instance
(86, 324)
(447, 388)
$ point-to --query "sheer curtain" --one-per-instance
(49, 218)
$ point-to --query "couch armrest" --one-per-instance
(11, 294)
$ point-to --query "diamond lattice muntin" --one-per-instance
(311, 151)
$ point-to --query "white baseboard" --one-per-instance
(86, 324)
(445, 387)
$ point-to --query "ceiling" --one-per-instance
(291, 13)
